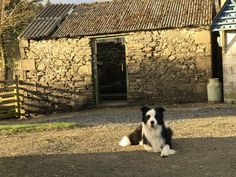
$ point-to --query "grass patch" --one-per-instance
(13, 129)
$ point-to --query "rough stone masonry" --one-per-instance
(169, 66)
(62, 78)
(165, 66)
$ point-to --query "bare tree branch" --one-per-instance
(15, 13)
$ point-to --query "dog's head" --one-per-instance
(152, 117)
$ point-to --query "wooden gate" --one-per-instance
(11, 99)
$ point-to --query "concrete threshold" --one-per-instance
(115, 103)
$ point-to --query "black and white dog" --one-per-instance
(153, 134)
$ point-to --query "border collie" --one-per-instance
(154, 134)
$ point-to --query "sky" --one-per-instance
(74, 1)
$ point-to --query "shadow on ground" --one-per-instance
(212, 157)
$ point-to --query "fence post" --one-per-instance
(20, 112)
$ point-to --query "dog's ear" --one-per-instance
(160, 115)
(145, 110)
(160, 109)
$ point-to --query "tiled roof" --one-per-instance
(226, 18)
(120, 16)
(135, 15)
(47, 21)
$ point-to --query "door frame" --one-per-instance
(95, 41)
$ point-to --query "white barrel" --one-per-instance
(214, 90)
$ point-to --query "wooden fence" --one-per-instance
(11, 98)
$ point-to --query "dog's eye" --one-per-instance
(148, 116)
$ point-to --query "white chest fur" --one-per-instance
(154, 137)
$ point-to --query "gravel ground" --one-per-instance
(133, 115)
(204, 137)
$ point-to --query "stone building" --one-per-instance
(137, 51)
(224, 26)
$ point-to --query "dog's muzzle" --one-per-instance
(152, 124)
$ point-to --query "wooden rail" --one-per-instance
(11, 98)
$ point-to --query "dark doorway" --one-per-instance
(217, 66)
(111, 70)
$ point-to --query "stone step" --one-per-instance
(114, 96)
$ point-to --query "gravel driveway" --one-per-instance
(133, 115)
(204, 137)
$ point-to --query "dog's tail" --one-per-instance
(125, 141)
(132, 139)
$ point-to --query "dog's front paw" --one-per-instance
(164, 154)
(166, 151)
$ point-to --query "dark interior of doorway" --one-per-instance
(111, 71)
(217, 65)
(217, 70)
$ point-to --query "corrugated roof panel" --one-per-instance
(49, 26)
(119, 16)
(115, 20)
(30, 29)
(47, 21)
(154, 15)
(81, 20)
(97, 17)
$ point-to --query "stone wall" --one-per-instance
(168, 66)
(229, 67)
(58, 75)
